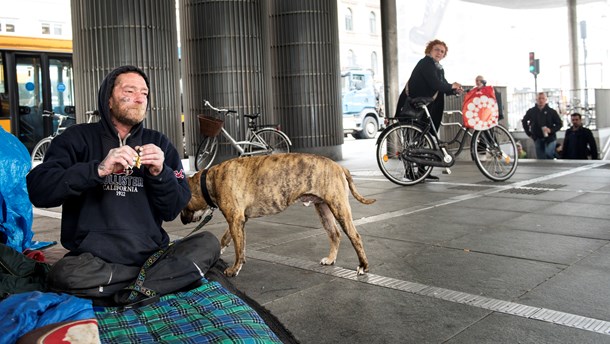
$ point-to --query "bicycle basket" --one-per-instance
(209, 126)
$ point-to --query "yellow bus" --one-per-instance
(36, 74)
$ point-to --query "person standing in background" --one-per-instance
(541, 122)
(579, 142)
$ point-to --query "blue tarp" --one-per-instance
(16, 210)
(25, 312)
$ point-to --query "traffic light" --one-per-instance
(534, 64)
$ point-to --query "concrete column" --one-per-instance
(390, 55)
(573, 40)
(223, 62)
(110, 33)
(306, 75)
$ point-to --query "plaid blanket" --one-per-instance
(208, 314)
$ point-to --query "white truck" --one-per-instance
(361, 103)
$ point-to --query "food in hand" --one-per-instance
(138, 163)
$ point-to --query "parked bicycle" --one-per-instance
(42, 146)
(408, 149)
(260, 139)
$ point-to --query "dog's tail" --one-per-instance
(352, 188)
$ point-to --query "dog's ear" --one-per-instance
(193, 182)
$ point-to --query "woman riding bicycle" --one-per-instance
(428, 80)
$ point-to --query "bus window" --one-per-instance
(62, 85)
(29, 83)
(5, 115)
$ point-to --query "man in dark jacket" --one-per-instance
(579, 142)
(541, 123)
(116, 182)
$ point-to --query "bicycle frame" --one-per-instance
(253, 144)
(445, 159)
(239, 145)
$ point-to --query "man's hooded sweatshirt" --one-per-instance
(117, 218)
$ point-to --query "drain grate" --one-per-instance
(545, 186)
(491, 182)
(470, 187)
(525, 191)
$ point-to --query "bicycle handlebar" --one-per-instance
(207, 104)
(48, 113)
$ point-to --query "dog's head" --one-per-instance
(197, 205)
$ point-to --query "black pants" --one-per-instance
(182, 264)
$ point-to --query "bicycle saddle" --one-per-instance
(418, 102)
(252, 115)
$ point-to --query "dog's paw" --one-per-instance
(326, 261)
(222, 249)
(361, 270)
(232, 271)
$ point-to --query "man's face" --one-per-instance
(479, 81)
(576, 121)
(129, 100)
(541, 100)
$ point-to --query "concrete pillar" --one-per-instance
(390, 55)
(110, 33)
(573, 40)
(306, 74)
(223, 62)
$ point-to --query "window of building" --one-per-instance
(374, 62)
(46, 28)
(57, 29)
(351, 58)
(349, 20)
(373, 23)
(9, 27)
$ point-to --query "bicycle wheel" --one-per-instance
(40, 150)
(275, 141)
(497, 153)
(206, 152)
(392, 149)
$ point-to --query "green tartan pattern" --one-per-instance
(208, 314)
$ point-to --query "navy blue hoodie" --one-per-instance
(117, 218)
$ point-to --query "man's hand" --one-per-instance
(152, 157)
(125, 157)
(117, 159)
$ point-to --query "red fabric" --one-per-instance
(35, 254)
(480, 109)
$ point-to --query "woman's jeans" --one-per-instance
(544, 149)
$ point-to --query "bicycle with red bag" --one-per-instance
(410, 147)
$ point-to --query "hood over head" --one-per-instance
(105, 91)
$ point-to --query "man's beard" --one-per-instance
(127, 116)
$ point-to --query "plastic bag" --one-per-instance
(16, 217)
(480, 109)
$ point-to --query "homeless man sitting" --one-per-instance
(117, 182)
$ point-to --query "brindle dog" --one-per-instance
(251, 187)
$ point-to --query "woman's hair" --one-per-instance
(433, 43)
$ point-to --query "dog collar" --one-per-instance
(204, 190)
